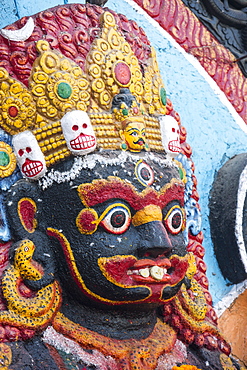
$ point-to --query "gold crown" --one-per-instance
(58, 85)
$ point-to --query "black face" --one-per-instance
(120, 229)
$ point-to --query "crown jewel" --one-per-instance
(113, 90)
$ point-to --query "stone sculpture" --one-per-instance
(100, 268)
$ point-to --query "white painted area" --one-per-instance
(95, 358)
(242, 189)
(90, 161)
(230, 297)
(19, 35)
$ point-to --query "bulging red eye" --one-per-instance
(174, 220)
(75, 127)
(117, 219)
(84, 125)
(28, 149)
(21, 152)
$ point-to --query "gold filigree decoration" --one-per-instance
(111, 64)
(57, 83)
(18, 110)
(154, 90)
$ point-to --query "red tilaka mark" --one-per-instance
(100, 191)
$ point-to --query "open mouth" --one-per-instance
(174, 146)
(32, 168)
(139, 142)
(127, 271)
(83, 142)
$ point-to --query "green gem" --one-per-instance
(181, 174)
(124, 146)
(163, 95)
(125, 112)
(64, 90)
(4, 159)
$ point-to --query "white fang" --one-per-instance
(19, 35)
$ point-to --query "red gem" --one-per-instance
(135, 110)
(122, 73)
(13, 111)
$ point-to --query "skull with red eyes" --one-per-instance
(29, 155)
(78, 132)
(170, 135)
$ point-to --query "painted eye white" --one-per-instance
(144, 173)
(117, 220)
(174, 220)
(78, 132)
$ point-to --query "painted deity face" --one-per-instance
(78, 132)
(120, 232)
(29, 155)
(134, 135)
(170, 135)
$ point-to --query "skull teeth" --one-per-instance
(83, 142)
(156, 272)
(31, 169)
(174, 146)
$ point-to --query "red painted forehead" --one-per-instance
(102, 190)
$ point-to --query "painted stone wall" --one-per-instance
(204, 111)
(214, 130)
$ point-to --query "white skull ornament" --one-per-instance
(29, 156)
(78, 132)
(170, 135)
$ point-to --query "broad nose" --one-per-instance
(154, 238)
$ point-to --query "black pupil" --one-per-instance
(176, 220)
(145, 174)
(118, 219)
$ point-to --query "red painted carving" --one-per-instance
(187, 30)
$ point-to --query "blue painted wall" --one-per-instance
(214, 130)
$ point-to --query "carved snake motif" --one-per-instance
(29, 312)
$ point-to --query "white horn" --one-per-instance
(19, 35)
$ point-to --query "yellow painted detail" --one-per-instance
(32, 312)
(147, 214)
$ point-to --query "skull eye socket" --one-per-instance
(175, 220)
(84, 125)
(21, 152)
(117, 219)
(28, 149)
(173, 129)
(75, 127)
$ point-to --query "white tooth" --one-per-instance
(144, 272)
(165, 271)
(157, 272)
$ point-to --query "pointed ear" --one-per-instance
(21, 206)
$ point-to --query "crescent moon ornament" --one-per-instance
(19, 35)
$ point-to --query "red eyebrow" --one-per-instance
(102, 190)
